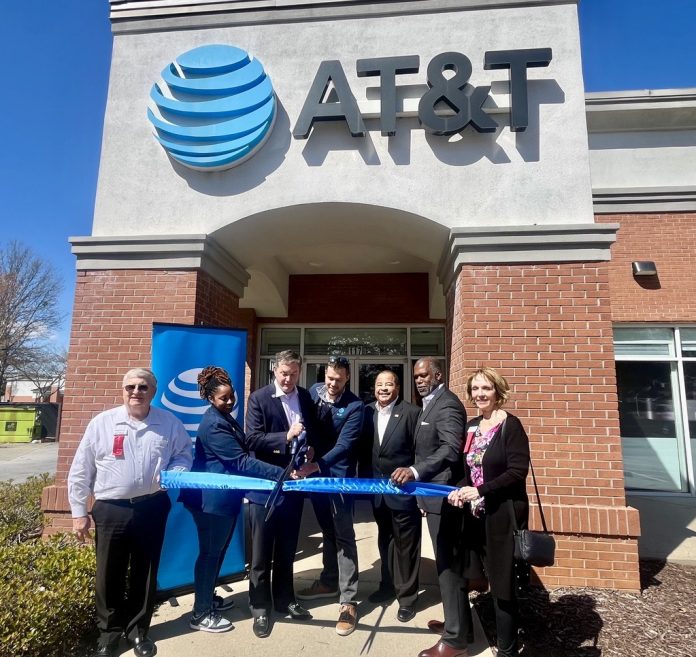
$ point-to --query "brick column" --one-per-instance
(547, 328)
(111, 332)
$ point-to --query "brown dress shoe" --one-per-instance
(443, 650)
(436, 626)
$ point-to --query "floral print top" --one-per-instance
(478, 444)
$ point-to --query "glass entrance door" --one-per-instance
(364, 371)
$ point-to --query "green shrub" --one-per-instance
(21, 517)
(46, 597)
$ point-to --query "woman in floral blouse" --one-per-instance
(496, 461)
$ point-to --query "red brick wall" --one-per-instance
(670, 241)
(547, 328)
(359, 298)
(112, 331)
(217, 306)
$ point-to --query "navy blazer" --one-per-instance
(337, 438)
(396, 449)
(439, 440)
(221, 448)
(267, 426)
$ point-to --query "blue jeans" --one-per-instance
(214, 534)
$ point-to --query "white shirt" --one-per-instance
(428, 398)
(159, 442)
(383, 415)
(291, 404)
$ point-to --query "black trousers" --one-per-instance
(129, 537)
(399, 543)
(446, 533)
(273, 548)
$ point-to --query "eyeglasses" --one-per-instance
(136, 387)
(340, 361)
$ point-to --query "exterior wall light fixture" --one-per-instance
(644, 268)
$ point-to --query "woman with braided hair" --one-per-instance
(220, 447)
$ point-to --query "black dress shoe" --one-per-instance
(406, 613)
(382, 594)
(297, 612)
(261, 626)
(144, 646)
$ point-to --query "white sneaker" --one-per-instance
(210, 622)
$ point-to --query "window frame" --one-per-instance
(678, 359)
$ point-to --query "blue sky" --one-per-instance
(56, 55)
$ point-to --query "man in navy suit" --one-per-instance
(339, 425)
(276, 414)
(438, 443)
(390, 424)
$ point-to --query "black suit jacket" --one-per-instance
(438, 441)
(267, 426)
(395, 451)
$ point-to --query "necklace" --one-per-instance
(487, 423)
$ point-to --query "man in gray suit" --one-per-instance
(389, 426)
(438, 444)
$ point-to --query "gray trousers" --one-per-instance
(340, 553)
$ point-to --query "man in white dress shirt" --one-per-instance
(276, 414)
(390, 424)
(119, 461)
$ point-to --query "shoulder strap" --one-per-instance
(536, 488)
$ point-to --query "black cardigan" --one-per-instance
(505, 467)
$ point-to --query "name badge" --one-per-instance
(469, 440)
(118, 445)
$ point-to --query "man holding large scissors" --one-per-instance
(277, 415)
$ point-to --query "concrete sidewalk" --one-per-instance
(379, 633)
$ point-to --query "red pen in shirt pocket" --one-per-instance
(118, 445)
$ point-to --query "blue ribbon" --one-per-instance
(349, 486)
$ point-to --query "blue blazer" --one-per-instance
(221, 448)
(337, 440)
(267, 427)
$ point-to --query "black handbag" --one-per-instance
(533, 547)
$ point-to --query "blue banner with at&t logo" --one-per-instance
(179, 353)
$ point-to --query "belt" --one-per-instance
(134, 500)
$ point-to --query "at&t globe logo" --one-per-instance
(213, 107)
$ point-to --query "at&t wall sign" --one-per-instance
(454, 91)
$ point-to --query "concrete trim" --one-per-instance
(655, 199)
(623, 111)
(177, 252)
(506, 245)
(135, 16)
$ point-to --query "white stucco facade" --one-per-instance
(502, 178)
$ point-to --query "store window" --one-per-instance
(656, 384)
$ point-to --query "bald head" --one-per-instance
(427, 374)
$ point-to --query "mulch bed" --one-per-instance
(586, 622)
